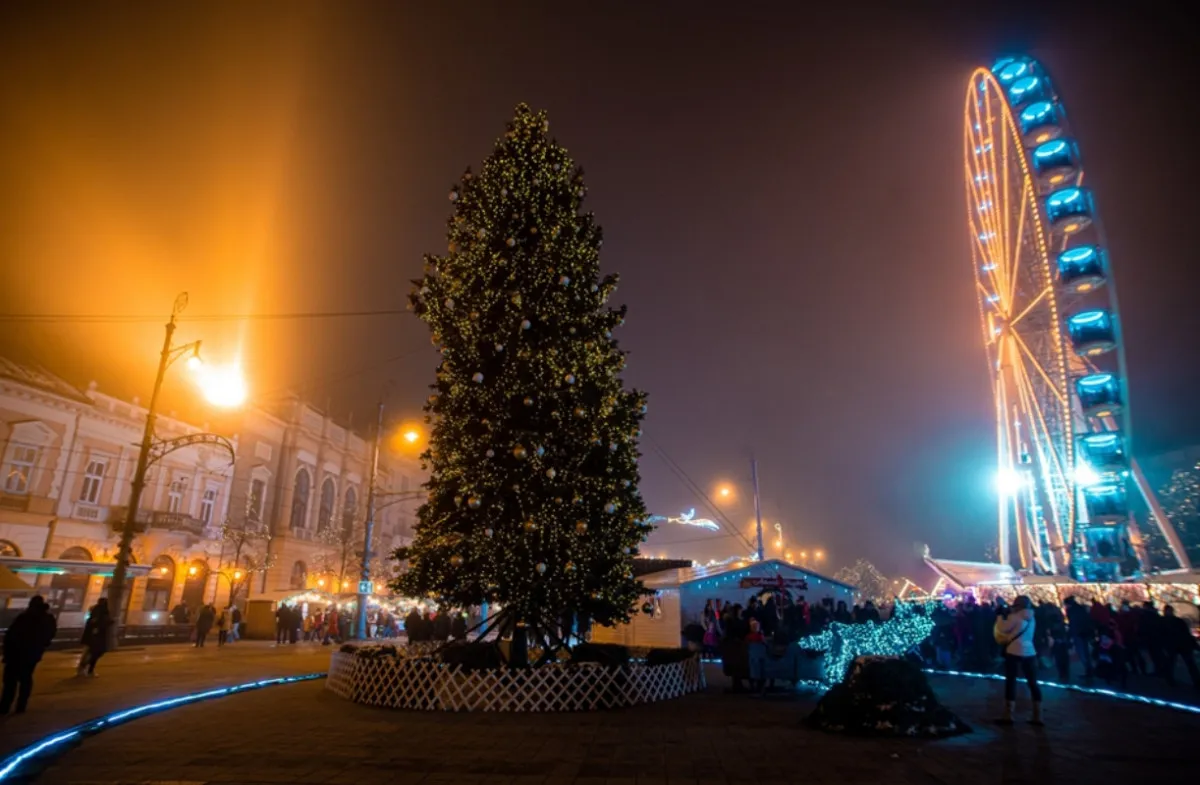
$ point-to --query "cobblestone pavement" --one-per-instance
(130, 677)
(303, 733)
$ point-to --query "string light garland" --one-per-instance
(57, 742)
(842, 643)
(530, 419)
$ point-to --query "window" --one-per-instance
(175, 494)
(67, 591)
(299, 576)
(93, 481)
(300, 500)
(325, 511)
(254, 505)
(159, 584)
(19, 472)
(206, 505)
(350, 509)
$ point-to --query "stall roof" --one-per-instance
(674, 579)
(965, 574)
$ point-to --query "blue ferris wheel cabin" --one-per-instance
(1081, 269)
(1092, 332)
(1099, 395)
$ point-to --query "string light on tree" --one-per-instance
(531, 424)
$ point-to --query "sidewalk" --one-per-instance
(302, 733)
(129, 677)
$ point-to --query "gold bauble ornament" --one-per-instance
(530, 525)
(520, 453)
(581, 526)
(456, 560)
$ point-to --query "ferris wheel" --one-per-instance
(1048, 310)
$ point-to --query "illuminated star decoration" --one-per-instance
(687, 519)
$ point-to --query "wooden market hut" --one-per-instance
(678, 596)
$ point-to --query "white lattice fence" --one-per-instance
(409, 683)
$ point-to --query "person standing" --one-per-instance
(1015, 634)
(235, 631)
(281, 623)
(224, 625)
(1082, 633)
(27, 638)
(95, 637)
(204, 623)
(1177, 641)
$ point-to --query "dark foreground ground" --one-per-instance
(302, 733)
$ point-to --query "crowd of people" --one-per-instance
(1108, 643)
(422, 625)
(777, 617)
(226, 621)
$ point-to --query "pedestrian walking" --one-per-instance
(95, 637)
(281, 623)
(26, 639)
(1015, 634)
(235, 631)
(204, 622)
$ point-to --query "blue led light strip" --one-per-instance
(1128, 696)
(10, 764)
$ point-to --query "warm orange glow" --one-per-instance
(1071, 227)
(788, 555)
(408, 439)
(724, 492)
(1042, 137)
(237, 575)
(818, 555)
(1058, 178)
(320, 581)
(223, 386)
(803, 555)
(192, 570)
(162, 571)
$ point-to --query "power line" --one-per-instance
(110, 318)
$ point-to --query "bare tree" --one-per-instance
(871, 583)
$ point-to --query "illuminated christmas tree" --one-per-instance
(533, 492)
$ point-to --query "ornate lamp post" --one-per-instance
(150, 452)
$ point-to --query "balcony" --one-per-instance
(158, 519)
(90, 512)
(14, 501)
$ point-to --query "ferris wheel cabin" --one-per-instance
(1105, 452)
(1056, 162)
(1081, 269)
(1099, 395)
(1092, 332)
(1040, 122)
(1069, 210)
(1106, 503)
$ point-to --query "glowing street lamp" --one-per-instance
(725, 493)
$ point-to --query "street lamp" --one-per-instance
(149, 452)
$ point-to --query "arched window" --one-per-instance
(299, 579)
(67, 591)
(300, 499)
(159, 584)
(350, 509)
(9, 549)
(194, 585)
(325, 511)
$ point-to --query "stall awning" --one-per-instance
(674, 579)
(31, 567)
(10, 584)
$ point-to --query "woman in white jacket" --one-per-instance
(1015, 635)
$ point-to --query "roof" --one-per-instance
(965, 574)
(39, 378)
(677, 578)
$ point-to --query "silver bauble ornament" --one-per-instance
(540, 451)
(490, 453)
(610, 508)
(551, 473)
(569, 378)
(488, 532)
(499, 347)
(541, 568)
(525, 325)
(477, 377)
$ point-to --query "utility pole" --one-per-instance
(364, 582)
(757, 506)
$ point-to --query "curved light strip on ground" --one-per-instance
(9, 765)
(1128, 696)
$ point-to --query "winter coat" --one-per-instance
(1017, 630)
(28, 636)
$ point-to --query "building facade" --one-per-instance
(281, 516)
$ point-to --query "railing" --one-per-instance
(90, 512)
(157, 519)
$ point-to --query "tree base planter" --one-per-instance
(404, 681)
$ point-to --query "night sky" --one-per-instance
(781, 192)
